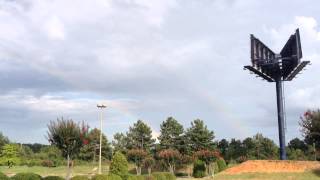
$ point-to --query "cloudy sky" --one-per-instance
(150, 59)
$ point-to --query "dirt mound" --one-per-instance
(272, 166)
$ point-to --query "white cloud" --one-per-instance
(55, 28)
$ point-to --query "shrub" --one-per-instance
(80, 178)
(221, 164)
(26, 176)
(199, 169)
(159, 176)
(3, 176)
(106, 177)
(47, 163)
(52, 178)
(119, 165)
(181, 174)
(169, 176)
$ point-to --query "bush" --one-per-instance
(52, 178)
(47, 163)
(106, 177)
(181, 174)
(169, 176)
(3, 176)
(26, 176)
(199, 169)
(80, 178)
(159, 176)
(119, 165)
(221, 164)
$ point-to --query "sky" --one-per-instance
(149, 60)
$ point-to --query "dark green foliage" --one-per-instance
(53, 178)
(120, 143)
(67, 136)
(221, 164)
(199, 137)
(3, 176)
(199, 169)
(80, 178)
(26, 176)
(171, 134)
(90, 152)
(296, 143)
(119, 165)
(181, 174)
(106, 177)
(140, 136)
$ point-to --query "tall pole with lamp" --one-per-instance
(101, 107)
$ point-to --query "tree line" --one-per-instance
(175, 146)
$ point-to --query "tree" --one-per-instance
(310, 127)
(119, 165)
(120, 143)
(148, 163)
(140, 136)
(296, 143)
(137, 156)
(170, 156)
(9, 155)
(199, 137)
(91, 150)
(170, 134)
(208, 157)
(69, 137)
(266, 148)
(223, 146)
(3, 140)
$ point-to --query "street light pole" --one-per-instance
(100, 106)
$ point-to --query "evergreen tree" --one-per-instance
(171, 134)
(140, 136)
(91, 150)
(199, 137)
(120, 143)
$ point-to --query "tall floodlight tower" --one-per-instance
(277, 68)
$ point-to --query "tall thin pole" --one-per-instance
(100, 141)
(281, 119)
(100, 146)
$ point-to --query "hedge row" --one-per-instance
(32, 176)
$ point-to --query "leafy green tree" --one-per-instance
(140, 136)
(223, 146)
(120, 143)
(171, 134)
(266, 148)
(296, 143)
(235, 150)
(310, 127)
(90, 152)
(3, 140)
(119, 165)
(148, 163)
(208, 157)
(199, 137)
(9, 155)
(69, 137)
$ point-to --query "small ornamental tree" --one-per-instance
(171, 157)
(119, 165)
(137, 156)
(69, 137)
(148, 163)
(188, 161)
(208, 157)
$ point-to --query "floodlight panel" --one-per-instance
(291, 54)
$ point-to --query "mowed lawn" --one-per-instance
(89, 170)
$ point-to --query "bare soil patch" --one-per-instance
(273, 166)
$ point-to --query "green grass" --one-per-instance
(57, 171)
